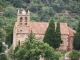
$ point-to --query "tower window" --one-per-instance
(20, 23)
(25, 19)
(25, 23)
(20, 30)
(61, 42)
(21, 19)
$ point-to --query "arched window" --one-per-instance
(21, 19)
(20, 30)
(25, 19)
(61, 42)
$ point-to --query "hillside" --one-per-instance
(41, 10)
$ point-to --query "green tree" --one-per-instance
(1, 8)
(10, 12)
(27, 1)
(1, 46)
(57, 36)
(74, 55)
(3, 57)
(31, 49)
(57, 55)
(76, 40)
(2, 34)
(9, 31)
(18, 3)
(1, 22)
(49, 36)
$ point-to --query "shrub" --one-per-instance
(74, 55)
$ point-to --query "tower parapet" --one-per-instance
(23, 16)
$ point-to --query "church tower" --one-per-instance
(23, 17)
(21, 27)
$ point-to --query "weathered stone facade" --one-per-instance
(23, 26)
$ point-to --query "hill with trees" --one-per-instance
(40, 10)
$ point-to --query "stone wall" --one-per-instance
(64, 43)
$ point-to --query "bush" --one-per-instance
(3, 57)
(74, 55)
(57, 55)
(1, 8)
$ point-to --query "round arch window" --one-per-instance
(21, 19)
(25, 19)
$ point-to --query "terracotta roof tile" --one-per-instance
(40, 27)
(71, 31)
(64, 28)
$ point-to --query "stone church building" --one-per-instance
(23, 26)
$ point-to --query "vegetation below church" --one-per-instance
(33, 49)
(74, 55)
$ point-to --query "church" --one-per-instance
(23, 27)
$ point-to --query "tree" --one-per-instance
(2, 34)
(74, 55)
(32, 49)
(49, 36)
(3, 57)
(76, 40)
(1, 46)
(58, 36)
(9, 35)
(18, 3)
(1, 22)
(9, 31)
(10, 12)
(57, 55)
(27, 1)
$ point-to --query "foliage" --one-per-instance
(1, 22)
(3, 57)
(31, 49)
(44, 10)
(49, 36)
(10, 12)
(9, 31)
(76, 40)
(52, 36)
(57, 55)
(57, 36)
(2, 35)
(27, 1)
(74, 55)
(10, 53)
(33, 17)
(1, 8)
(18, 3)
(1, 46)
(4, 4)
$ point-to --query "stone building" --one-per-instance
(23, 26)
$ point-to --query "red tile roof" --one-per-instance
(71, 31)
(40, 28)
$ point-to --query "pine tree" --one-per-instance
(58, 36)
(49, 36)
(76, 41)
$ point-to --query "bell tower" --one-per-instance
(21, 27)
(23, 18)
